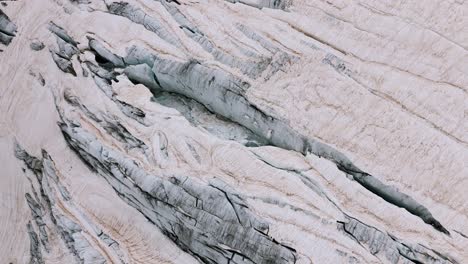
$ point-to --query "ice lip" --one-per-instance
(61, 33)
(105, 54)
(395, 197)
(7, 29)
(67, 47)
